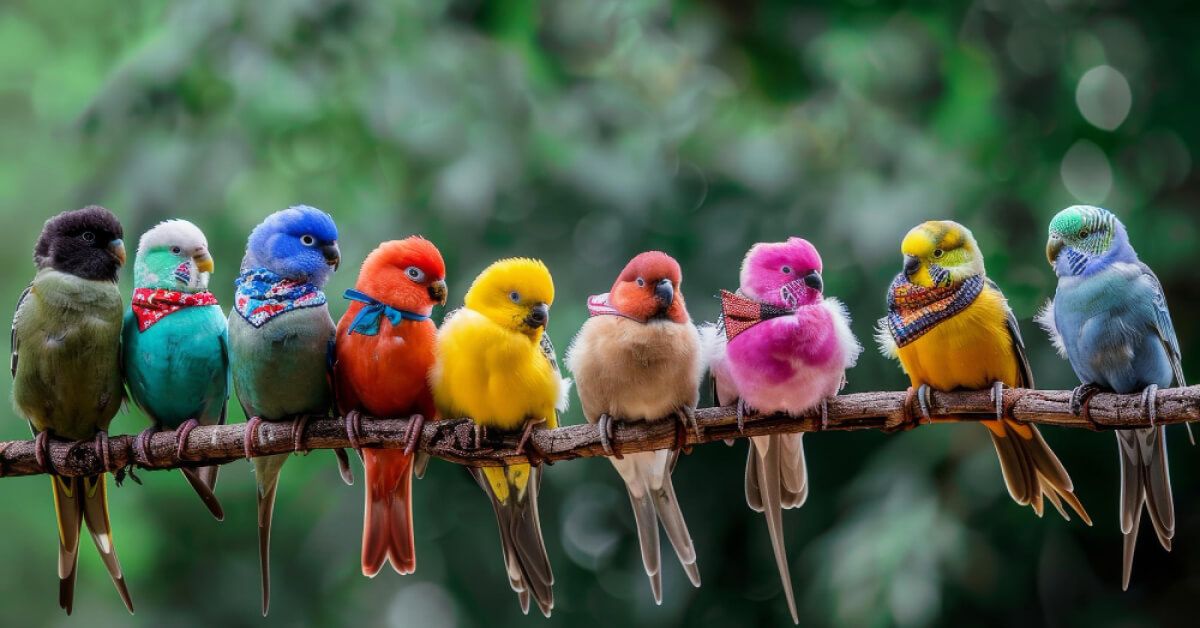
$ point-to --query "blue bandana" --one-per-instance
(262, 295)
(366, 322)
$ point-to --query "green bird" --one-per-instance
(176, 343)
(66, 345)
(280, 337)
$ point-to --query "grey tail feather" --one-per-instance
(647, 528)
(266, 472)
(771, 483)
(521, 540)
(1034, 474)
(70, 523)
(1144, 480)
(667, 507)
(93, 497)
(204, 492)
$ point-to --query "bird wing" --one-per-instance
(1164, 327)
(547, 348)
(1018, 343)
(564, 384)
(12, 363)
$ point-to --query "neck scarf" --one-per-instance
(151, 305)
(914, 310)
(262, 295)
(601, 305)
(739, 313)
(366, 322)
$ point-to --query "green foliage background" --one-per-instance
(583, 132)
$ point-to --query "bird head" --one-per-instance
(173, 256)
(408, 274)
(299, 243)
(83, 242)
(941, 253)
(1084, 238)
(783, 274)
(650, 288)
(515, 293)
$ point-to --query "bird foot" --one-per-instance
(41, 452)
(181, 437)
(412, 435)
(353, 421)
(299, 425)
(248, 444)
(742, 411)
(681, 429)
(825, 414)
(687, 416)
(1081, 396)
(608, 437)
(1150, 404)
(141, 443)
(103, 450)
(536, 455)
(480, 433)
(924, 401)
(998, 398)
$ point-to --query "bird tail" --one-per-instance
(1031, 470)
(78, 501)
(776, 478)
(266, 478)
(203, 489)
(387, 519)
(647, 478)
(1144, 479)
(513, 491)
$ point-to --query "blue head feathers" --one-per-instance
(298, 243)
(1086, 239)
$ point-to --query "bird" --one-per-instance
(495, 364)
(786, 350)
(66, 368)
(176, 343)
(639, 358)
(1109, 319)
(280, 340)
(951, 328)
(383, 354)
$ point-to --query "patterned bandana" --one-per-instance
(739, 313)
(366, 322)
(262, 295)
(914, 310)
(600, 305)
(151, 305)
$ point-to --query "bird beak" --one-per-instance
(117, 248)
(204, 262)
(911, 264)
(813, 280)
(664, 291)
(1053, 247)
(438, 291)
(539, 315)
(333, 256)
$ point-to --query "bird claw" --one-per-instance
(742, 411)
(1150, 403)
(824, 414)
(527, 441)
(608, 438)
(924, 393)
(141, 444)
(353, 421)
(412, 435)
(687, 415)
(251, 437)
(181, 436)
(41, 452)
(998, 398)
(103, 450)
(299, 425)
(1080, 397)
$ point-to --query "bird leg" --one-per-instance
(1081, 396)
(527, 440)
(1150, 403)
(998, 398)
(251, 436)
(353, 420)
(102, 449)
(924, 392)
(681, 437)
(825, 414)
(41, 452)
(687, 416)
(141, 443)
(299, 424)
(480, 434)
(181, 437)
(608, 437)
(412, 435)
(742, 410)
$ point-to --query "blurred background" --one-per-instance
(583, 132)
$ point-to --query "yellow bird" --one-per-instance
(496, 365)
(951, 328)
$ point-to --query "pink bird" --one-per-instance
(787, 350)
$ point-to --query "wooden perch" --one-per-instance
(454, 439)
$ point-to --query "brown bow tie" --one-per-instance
(740, 313)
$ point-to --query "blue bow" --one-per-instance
(366, 322)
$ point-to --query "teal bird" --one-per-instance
(176, 342)
(280, 336)
(66, 343)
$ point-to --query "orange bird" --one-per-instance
(383, 353)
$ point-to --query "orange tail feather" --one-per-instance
(387, 517)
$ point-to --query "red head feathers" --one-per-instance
(406, 274)
(647, 289)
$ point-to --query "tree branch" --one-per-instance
(454, 440)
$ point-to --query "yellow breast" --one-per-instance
(970, 350)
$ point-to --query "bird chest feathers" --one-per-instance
(969, 350)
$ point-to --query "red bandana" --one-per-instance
(150, 305)
(739, 313)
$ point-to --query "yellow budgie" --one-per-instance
(496, 365)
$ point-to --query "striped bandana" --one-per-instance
(262, 295)
(914, 310)
(739, 313)
(151, 305)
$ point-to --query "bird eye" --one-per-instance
(787, 270)
(641, 282)
(514, 296)
(414, 273)
(1084, 234)
(307, 240)
(938, 253)
(88, 236)
(176, 250)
